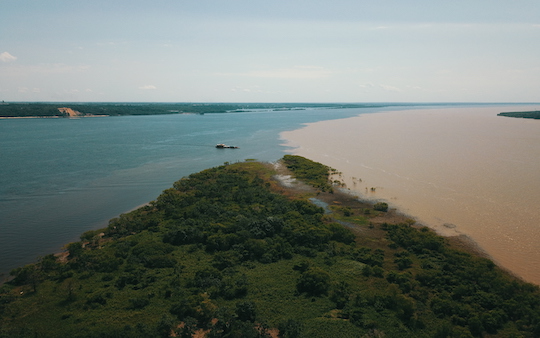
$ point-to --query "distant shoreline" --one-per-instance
(49, 117)
(66, 109)
(30, 117)
(534, 114)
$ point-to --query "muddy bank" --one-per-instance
(461, 171)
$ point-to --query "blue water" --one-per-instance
(62, 177)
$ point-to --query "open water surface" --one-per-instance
(461, 171)
(62, 177)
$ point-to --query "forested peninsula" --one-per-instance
(74, 109)
(241, 250)
(522, 114)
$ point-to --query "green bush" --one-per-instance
(313, 173)
(314, 282)
(381, 206)
(246, 311)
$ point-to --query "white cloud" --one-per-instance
(252, 89)
(6, 57)
(148, 87)
(390, 88)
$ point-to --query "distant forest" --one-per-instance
(116, 109)
(523, 114)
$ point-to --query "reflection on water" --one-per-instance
(458, 170)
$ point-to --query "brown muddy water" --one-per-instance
(460, 171)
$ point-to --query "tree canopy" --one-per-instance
(228, 252)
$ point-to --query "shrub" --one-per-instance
(138, 303)
(290, 329)
(246, 311)
(340, 233)
(314, 282)
(301, 266)
(340, 294)
(381, 206)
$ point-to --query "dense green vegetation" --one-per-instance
(313, 173)
(230, 253)
(31, 109)
(115, 109)
(522, 114)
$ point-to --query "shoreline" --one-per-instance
(436, 164)
(343, 196)
(62, 253)
(458, 240)
(462, 241)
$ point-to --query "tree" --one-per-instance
(165, 325)
(29, 274)
(290, 329)
(246, 311)
(75, 249)
(314, 282)
(341, 294)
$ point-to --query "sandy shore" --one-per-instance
(461, 171)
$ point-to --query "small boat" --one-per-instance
(224, 146)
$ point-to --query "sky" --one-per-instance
(270, 51)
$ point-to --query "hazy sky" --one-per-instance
(270, 51)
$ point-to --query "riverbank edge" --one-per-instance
(456, 239)
(344, 197)
(339, 196)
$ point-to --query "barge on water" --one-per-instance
(224, 146)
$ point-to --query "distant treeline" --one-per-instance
(115, 109)
(523, 114)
